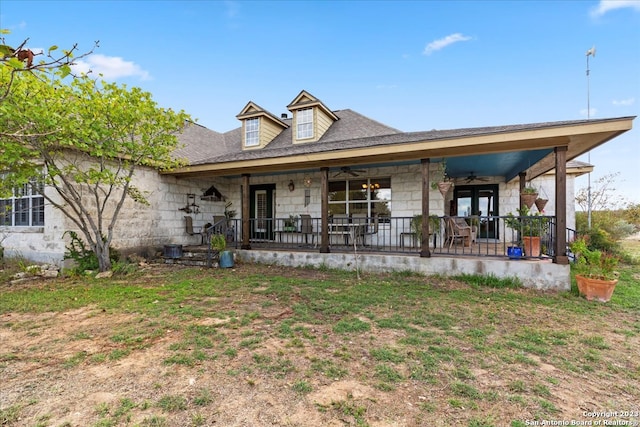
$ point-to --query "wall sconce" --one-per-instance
(292, 186)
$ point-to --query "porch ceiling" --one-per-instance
(483, 154)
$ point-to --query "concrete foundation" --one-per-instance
(533, 274)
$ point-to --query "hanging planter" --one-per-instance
(441, 179)
(541, 203)
(528, 195)
(444, 187)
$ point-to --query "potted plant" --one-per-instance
(594, 271)
(442, 182)
(416, 225)
(528, 195)
(291, 224)
(531, 228)
(219, 244)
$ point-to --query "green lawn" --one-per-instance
(313, 347)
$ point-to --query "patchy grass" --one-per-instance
(262, 344)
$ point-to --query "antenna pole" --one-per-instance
(590, 52)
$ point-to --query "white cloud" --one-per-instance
(608, 5)
(624, 102)
(444, 42)
(111, 67)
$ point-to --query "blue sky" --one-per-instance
(417, 65)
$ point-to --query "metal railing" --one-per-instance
(485, 236)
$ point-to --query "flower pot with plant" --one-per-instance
(530, 227)
(594, 271)
(291, 223)
(219, 245)
(416, 226)
(528, 195)
(442, 182)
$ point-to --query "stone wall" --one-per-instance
(147, 228)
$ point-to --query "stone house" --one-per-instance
(320, 164)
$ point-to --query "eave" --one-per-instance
(579, 138)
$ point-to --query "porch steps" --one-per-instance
(192, 256)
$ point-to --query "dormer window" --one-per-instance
(252, 132)
(304, 120)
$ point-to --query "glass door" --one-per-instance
(262, 207)
(479, 203)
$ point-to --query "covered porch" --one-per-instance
(341, 229)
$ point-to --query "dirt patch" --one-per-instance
(72, 369)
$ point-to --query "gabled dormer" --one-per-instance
(259, 127)
(311, 118)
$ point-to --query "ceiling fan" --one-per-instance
(473, 177)
(348, 170)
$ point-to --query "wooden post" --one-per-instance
(523, 183)
(424, 241)
(324, 210)
(560, 232)
(246, 212)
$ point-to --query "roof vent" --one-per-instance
(283, 116)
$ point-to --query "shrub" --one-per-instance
(84, 257)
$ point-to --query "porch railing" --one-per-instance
(485, 235)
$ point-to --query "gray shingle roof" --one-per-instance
(353, 130)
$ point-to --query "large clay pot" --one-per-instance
(595, 289)
(532, 246)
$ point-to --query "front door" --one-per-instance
(262, 197)
(480, 201)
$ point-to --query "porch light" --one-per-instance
(292, 186)
(371, 186)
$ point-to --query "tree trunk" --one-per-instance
(102, 253)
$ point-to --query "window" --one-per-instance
(25, 208)
(252, 132)
(304, 120)
(366, 196)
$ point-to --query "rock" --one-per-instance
(104, 275)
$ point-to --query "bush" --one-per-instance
(600, 239)
(85, 258)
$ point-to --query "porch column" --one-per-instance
(246, 212)
(424, 241)
(523, 183)
(324, 210)
(560, 232)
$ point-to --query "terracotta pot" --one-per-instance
(595, 289)
(444, 187)
(540, 204)
(528, 199)
(532, 246)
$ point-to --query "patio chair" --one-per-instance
(339, 226)
(367, 226)
(306, 228)
(190, 230)
(457, 231)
